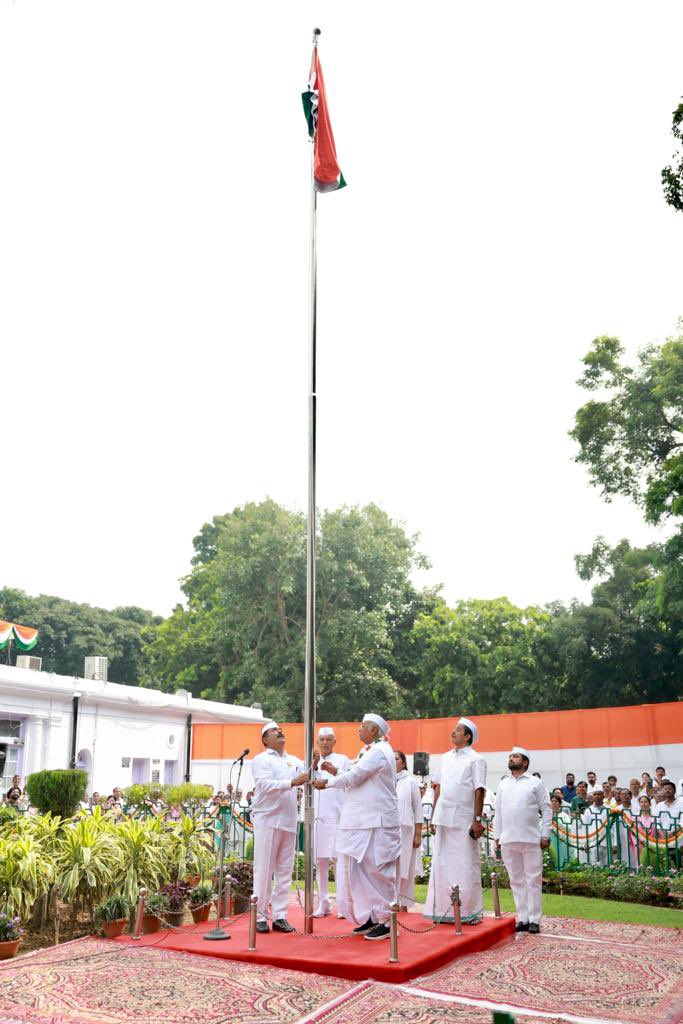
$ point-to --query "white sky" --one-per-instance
(504, 207)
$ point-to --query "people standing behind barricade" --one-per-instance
(327, 807)
(592, 782)
(596, 837)
(646, 830)
(634, 787)
(609, 798)
(521, 828)
(569, 789)
(669, 810)
(459, 791)
(560, 850)
(626, 831)
(580, 801)
(411, 817)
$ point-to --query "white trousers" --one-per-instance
(273, 859)
(368, 885)
(524, 863)
(456, 861)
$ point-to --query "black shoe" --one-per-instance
(283, 926)
(363, 928)
(262, 926)
(534, 929)
(380, 931)
(522, 926)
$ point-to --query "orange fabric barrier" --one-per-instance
(642, 725)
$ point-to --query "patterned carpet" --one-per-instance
(634, 984)
(95, 982)
(609, 931)
(373, 1003)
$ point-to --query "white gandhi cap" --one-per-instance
(378, 721)
(325, 730)
(469, 724)
(522, 751)
(269, 725)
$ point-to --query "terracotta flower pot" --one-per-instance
(8, 949)
(239, 905)
(112, 929)
(175, 917)
(150, 924)
(201, 913)
(225, 905)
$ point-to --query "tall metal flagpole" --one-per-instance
(309, 679)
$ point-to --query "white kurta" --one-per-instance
(456, 858)
(368, 835)
(523, 816)
(274, 815)
(328, 806)
(410, 815)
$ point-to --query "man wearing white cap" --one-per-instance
(369, 835)
(274, 814)
(328, 805)
(459, 785)
(521, 828)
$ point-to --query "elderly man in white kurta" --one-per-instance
(411, 816)
(521, 828)
(328, 805)
(274, 814)
(459, 785)
(368, 836)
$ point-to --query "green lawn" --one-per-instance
(584, 907)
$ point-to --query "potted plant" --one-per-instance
(176, 894)
(200, 901)
(242, 874)
(112, 915)
(156, 909)
(10, 935)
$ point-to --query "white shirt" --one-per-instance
(409, 800)
(328, 802)
(370, 785)
(522, 808)
(458, 775)
(274, 800)
(670, 815)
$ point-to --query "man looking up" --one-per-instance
(670, 808)
(368, 835)
(521, 828)
(328, 805)
(459, 785)
(276, 776)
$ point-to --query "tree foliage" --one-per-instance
(672, 174)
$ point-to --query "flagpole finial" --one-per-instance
(316, 34)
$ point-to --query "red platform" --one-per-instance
(349, 957)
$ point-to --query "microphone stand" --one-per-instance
(218, 933)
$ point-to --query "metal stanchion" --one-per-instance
(393, 936)
(139, 911)
(253, 903)
(496, 896)
(218, 933)
(457, 917)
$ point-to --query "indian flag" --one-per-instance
(327, 176)
(25, 637)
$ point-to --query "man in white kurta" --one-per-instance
(411, 818)
(274, 815)
(328, 805)
(521, 828)
(459, 785)
(368, 835)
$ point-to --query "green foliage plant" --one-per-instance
(156, 903)
(58, 790)
(242, 873)
(201, 894)
(672, 174)
(10, 928)
(87, 858)
(189, 847)
(26, 872)
(144, 855)
(191, 796)
(115, 908)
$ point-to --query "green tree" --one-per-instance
(672, 175)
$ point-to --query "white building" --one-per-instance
(118, 734)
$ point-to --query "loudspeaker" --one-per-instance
(421, 763)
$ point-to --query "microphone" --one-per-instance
(243, 754)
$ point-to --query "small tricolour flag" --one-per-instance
(327, 177)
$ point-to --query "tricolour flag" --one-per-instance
(326, 173)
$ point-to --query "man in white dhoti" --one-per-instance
(368, 840)
(408, 791)
(328, 805)
(521, 828)
(459, 785)
(274, 814)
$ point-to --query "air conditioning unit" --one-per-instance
(28, 661)
(96, 668)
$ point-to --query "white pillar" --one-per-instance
(34, 742)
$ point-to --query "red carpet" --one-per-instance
(348, 957)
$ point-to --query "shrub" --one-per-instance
(144, 856)
(87, 857)
(8, 815)
(58, 790)
(176, 894)
(242, 873)
(156, 903)
(114, 908)
(201, 894)
(25, 874)
(10, 928)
